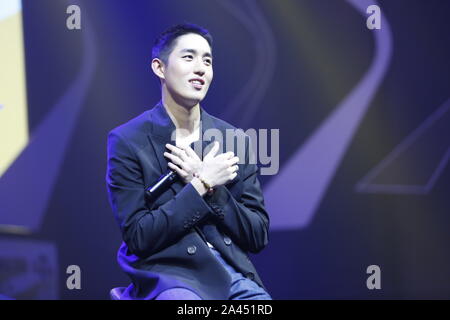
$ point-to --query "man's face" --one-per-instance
(189, 71)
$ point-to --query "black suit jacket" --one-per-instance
(164, 242)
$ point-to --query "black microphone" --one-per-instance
(163, 183)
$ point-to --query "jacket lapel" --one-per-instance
(161, 128)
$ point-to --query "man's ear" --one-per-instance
(158, 68)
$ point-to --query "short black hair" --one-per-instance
(166, 41)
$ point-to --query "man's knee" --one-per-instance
(178, 294)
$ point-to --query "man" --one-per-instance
(192, 241)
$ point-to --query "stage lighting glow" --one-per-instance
(13, 99)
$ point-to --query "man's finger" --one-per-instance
(191, 153)
(177, 151)
(213, 150)
(178, 170)
(226, 156)
(173, 158)
(233, 160)
(229, 155)
(234, 168)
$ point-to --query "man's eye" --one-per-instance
(188, 56)
(208, 61)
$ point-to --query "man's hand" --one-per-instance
(220, 169)
(214, 170)
(184, 161)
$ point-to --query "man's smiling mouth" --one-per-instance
(197, 83)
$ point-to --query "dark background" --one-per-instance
(312, 54)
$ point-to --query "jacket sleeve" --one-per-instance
(146, 231)
(245, 220)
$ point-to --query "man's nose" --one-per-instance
(200, 68)
(199, 73)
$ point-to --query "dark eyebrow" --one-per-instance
(193, 51)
